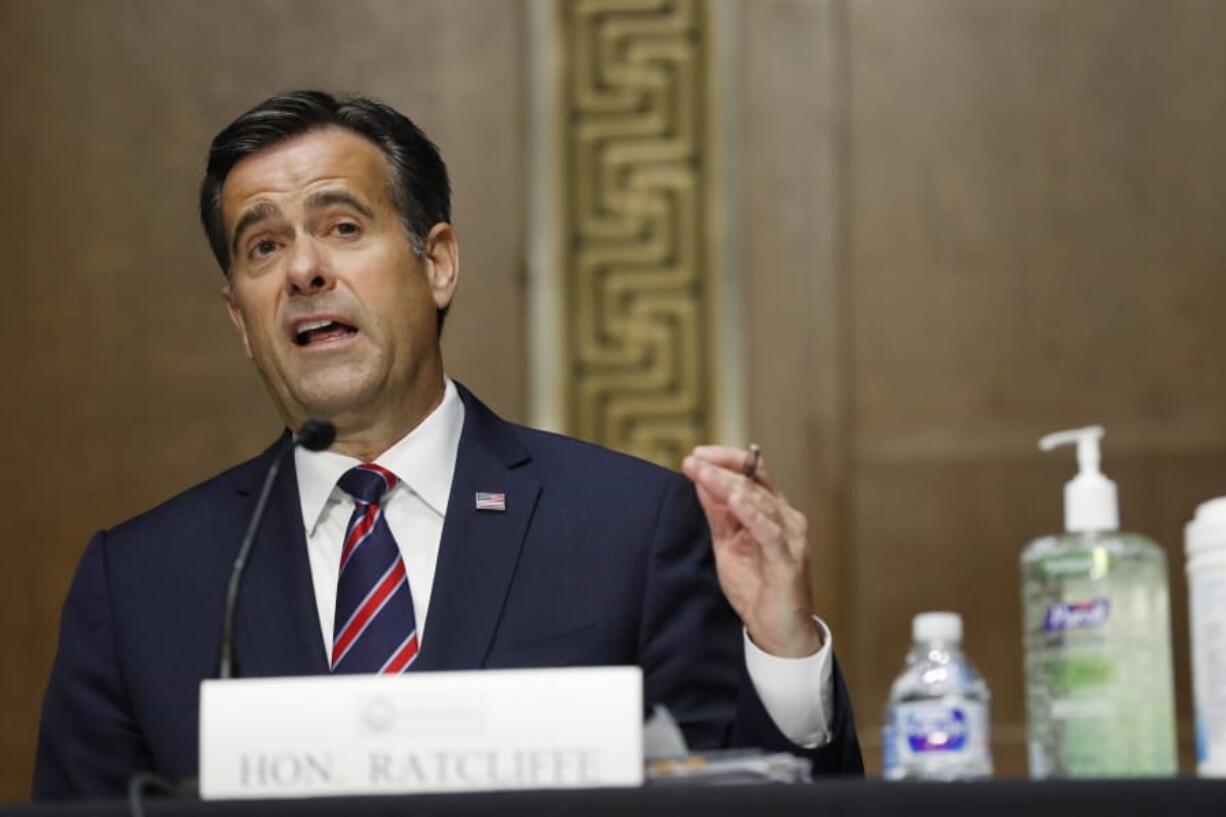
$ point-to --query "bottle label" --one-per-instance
(1070, 565)
(939, 728)
(1098, 667)
(1078, 615)
(1207, 595)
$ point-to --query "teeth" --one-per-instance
(310, 326)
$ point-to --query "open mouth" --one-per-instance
(311, 333)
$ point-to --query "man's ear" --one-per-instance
(236, 315)
(442, 263)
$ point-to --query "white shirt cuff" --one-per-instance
(795, 691)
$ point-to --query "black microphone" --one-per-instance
(315, 435)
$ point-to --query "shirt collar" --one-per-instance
(424, 460)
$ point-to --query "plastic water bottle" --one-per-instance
(937, 716)
(1206, 548)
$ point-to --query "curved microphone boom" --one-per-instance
(314, 435)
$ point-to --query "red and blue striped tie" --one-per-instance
(375, 629)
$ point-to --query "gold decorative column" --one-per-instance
(636, 211)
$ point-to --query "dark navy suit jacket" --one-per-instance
(598, 559)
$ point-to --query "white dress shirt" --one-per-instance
(795, 691)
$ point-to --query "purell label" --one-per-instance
(1077, 615)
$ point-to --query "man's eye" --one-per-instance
(346, 228)
(263, 247)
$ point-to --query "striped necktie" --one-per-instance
(374, 629)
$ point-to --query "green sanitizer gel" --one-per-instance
(1096, 627)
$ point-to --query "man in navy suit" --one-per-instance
(516, 548)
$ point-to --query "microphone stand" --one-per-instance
(315, 435)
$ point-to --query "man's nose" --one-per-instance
(309, 270)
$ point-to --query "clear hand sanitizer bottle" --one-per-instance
(1096, 626)
(937, 715)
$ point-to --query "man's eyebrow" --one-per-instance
(327, 198)
(252, 216)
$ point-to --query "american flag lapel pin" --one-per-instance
(487, 501)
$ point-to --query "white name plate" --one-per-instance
(421, 732)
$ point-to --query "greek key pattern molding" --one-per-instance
(635, 172)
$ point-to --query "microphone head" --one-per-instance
(315, 435)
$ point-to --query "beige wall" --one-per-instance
(966, 224)
(125, 380)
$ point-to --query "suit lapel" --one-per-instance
(479, 549)
(278, 625)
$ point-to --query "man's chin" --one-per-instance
(330, 402)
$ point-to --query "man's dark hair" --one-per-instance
(419, 185)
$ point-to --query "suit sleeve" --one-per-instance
(692, 653)
(89, 743)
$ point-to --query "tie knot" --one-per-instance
(367, 483)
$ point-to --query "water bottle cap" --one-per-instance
(937, 627)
